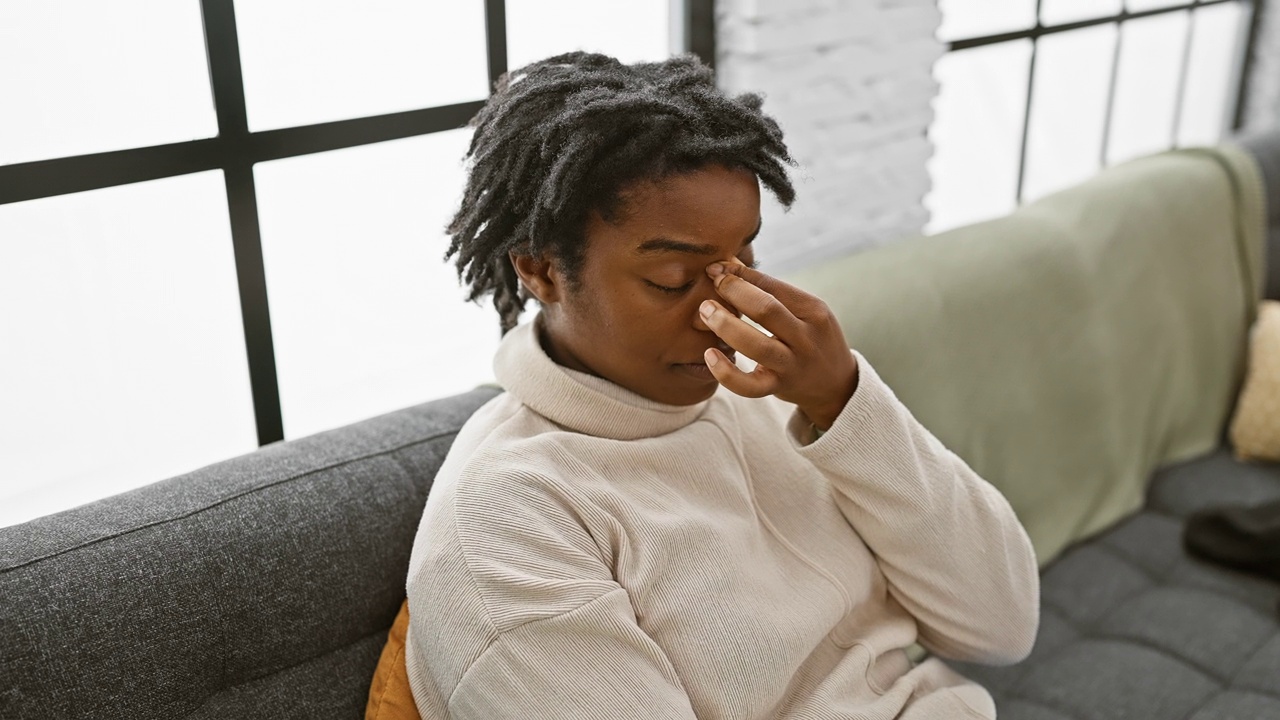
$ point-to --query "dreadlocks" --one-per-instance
(564, 136)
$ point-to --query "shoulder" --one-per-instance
(510, 481)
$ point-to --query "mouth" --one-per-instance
(700, 370)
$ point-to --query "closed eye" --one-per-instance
(672, 290)
(685, 288)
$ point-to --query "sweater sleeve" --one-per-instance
(952, 551)
(565, 641)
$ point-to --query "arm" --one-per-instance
(591, 662)
(521, 617)
(951, 549)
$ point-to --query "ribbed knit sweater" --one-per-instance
(588, 553)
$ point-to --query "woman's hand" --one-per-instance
(806, 362)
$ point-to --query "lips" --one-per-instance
(728, 352)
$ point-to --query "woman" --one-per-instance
(618, 536)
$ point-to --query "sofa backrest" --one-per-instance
(262, 586)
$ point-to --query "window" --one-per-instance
(222, 223)
(1038, 95)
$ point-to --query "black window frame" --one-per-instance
(1039, 30)
(235, 150)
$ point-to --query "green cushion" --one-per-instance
(1069, 349)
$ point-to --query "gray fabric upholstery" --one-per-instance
(1132, 627)
(262, 586)
(1265, 148)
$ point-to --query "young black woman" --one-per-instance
(637, 528)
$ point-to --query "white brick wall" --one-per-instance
(850, 82)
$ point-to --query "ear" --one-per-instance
(539, 276)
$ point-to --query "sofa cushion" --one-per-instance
(1131, 626)
(321, 687)
(268, 578)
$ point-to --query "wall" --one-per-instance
(850, 82)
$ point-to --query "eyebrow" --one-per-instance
(658, 245)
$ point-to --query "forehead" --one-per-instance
(714, 208)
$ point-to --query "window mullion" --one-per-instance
(1182, 75)
(495, 25)
(1111, 95)
(1026, 113)
(222, 46)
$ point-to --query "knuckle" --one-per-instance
(770, 307)
(776, 357)
(768, 385)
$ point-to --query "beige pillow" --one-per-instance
(1255, 427)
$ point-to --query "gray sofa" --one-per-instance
(263, 586)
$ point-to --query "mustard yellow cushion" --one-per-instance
(1255, 427)
(389, 696)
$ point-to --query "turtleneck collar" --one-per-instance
(578, 401)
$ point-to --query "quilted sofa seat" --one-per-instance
(1132, 627)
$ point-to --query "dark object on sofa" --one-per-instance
(263, 586)
(1245, 537)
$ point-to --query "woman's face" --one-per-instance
(634, 320)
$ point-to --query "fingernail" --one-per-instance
(710, 355)
(715, 269)
(706, 309)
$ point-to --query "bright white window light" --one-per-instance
(121, 342)
(975, 18)
(367, 316)
(1061, 12)
(85, 76)
(1143, 5)
(977, 133)
(1212, 74)
(320, 60)
(1068, 109)
(630, 30)
(1146, 94)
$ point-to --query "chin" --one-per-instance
(688, 391)
(677, 387)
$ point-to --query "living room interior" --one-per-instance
(235, 356)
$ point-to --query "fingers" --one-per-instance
(758, 383)
(760, 305)
(800, 303)
(743, 337)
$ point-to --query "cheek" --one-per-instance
(649, 319)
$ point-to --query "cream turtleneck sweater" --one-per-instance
(588, 553)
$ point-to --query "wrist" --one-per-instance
(821, 420)
(824, 416)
